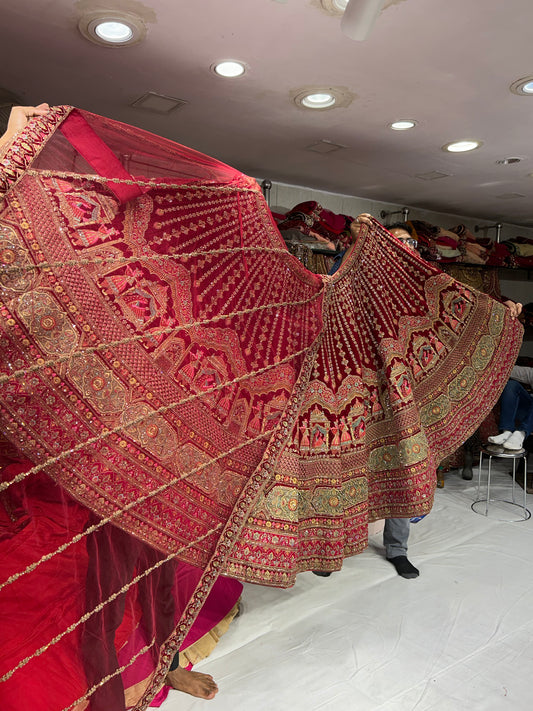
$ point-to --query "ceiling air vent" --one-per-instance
(433, 175)
(508, 161)
(325, 147)
(158, 103)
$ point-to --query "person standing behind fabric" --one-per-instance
(396, 530)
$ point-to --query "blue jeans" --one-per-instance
(516, 408)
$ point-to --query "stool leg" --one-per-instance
(488, 486)
(478, 492)
(514, 480)
(525, 486)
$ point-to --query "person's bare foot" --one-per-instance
(194, 683)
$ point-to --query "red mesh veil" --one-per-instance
(181, 398)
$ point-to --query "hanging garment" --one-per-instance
(200, 396)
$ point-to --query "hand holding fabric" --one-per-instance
(19, 117)
(514, 307)
(364, 218)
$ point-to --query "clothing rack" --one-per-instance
(485, 228)
(404, 211)
(266, 187)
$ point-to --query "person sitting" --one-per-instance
(516, 410)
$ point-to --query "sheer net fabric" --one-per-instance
(180, 398)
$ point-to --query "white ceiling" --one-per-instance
(446, 63)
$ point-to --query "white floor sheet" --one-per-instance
(458, 637)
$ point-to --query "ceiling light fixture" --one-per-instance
(322, 98)
(359, 18)
(334, 7)
(229, 68)
(461, 146)
(403, 125)
(318, 101)
(112, 29)
(522, 87)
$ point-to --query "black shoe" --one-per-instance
(467, 473)
(467, 466)
(321, 573)
(404, 567)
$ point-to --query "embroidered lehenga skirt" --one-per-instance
(177, 392)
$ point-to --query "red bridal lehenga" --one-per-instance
(181, 400)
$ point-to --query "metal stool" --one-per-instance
(491, 451)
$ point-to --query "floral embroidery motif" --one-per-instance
(47, 322)
(15, 259)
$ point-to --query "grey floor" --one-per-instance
(458, 637)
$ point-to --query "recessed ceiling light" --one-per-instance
(318, 101)
(322, 98)
(403, 125)
(461, 146)
(334, 7)
(112, 29)
(523, 87)
(229, 68)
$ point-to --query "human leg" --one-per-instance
(524, 413)
(509, 402)
(517, 404)
(395, 538)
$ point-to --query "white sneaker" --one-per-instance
(501, 438)
(515, 441)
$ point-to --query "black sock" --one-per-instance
(404, 567)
